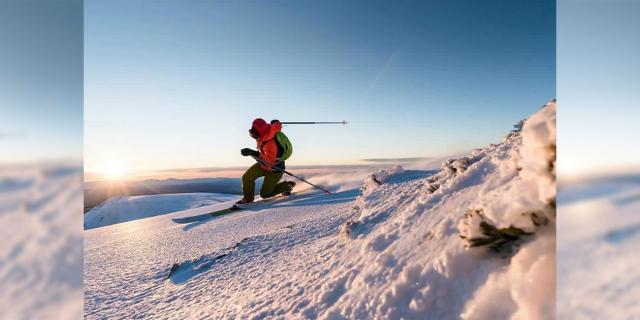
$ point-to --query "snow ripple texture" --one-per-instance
(598, 248)
(41, 236)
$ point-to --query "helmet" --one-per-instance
(259, 127)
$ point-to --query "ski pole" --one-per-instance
(291, 174)
(315, 122)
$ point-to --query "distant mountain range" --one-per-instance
(99, 191)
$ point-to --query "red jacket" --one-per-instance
(266, 143)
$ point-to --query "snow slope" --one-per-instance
(597, 249)
(126, 208)
(389, 246)
(41, 242)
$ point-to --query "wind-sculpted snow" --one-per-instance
(598, 249)
(412, 226)
(388, 247)
(41, 233)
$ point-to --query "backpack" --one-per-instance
(284, 146)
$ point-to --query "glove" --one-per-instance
(249, 152)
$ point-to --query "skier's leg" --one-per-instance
(284, 187)
(249, 181)
(270, 185)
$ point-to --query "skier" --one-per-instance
(274, 148)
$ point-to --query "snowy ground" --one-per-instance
(598, 259)
(41, 237)
(386, 245)
(127, 208)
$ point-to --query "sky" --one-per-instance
(40, 81)
(176, 84)
(599, 87)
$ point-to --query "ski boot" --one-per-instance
(291, 184)
(244, 201)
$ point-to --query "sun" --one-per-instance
(114, 170)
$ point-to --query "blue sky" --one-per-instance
(176, 84)
(40, 80)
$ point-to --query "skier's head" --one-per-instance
(259, 128)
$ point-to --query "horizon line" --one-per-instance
(152, 174)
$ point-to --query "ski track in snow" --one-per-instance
(388, 247)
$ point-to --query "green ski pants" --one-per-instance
(270, 185)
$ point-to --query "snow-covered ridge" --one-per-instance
(501, 197)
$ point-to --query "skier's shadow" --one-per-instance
(195, 224)
(319, 199)
(301, 200)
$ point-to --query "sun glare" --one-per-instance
(114, 170)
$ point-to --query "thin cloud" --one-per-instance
(11, 135)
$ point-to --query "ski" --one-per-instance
(233, 208)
